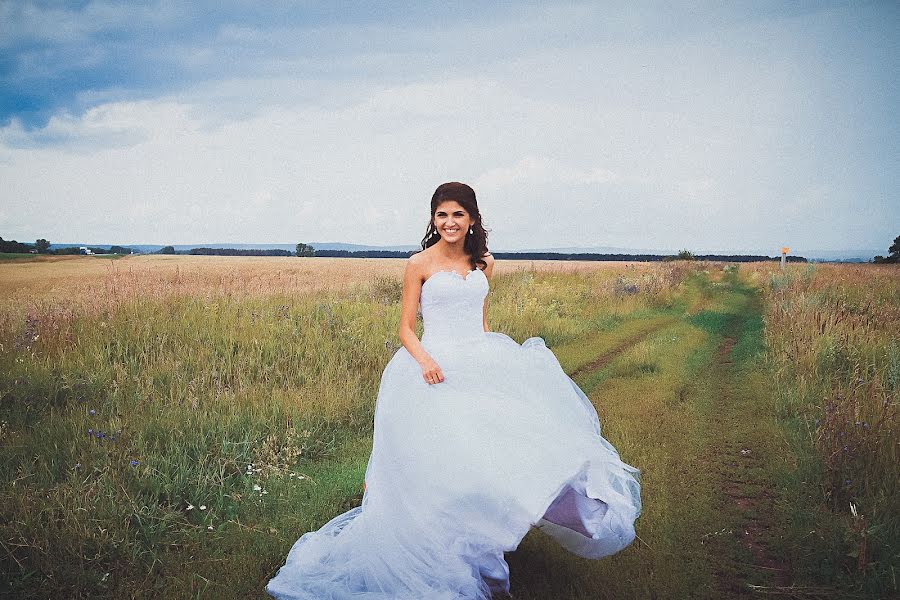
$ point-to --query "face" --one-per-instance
(452, 221)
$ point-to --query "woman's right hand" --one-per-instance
(431, 372)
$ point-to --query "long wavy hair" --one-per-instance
(475, 244)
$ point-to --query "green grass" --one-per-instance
(214, 397)
(661, 402)
(18, 255)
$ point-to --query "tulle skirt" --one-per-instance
(458, 474)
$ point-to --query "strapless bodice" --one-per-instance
(453, 306)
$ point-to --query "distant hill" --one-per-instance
(853, 255)
(148, 248)
(595, 250)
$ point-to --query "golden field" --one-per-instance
(135, 391)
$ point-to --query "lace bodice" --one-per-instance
(453, 306)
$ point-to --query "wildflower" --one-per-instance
(134, 463)
(848, 481)
(90, 432)
(202, 507)
(77, 466)
(845, 448)
(817, 422)
(865, 425)
(853, 510)
(190, 506)
(98, 435)
(256, 487)
(92, 412)
(209, 528)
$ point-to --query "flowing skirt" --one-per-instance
(458, 474)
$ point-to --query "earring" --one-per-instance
(470, 230)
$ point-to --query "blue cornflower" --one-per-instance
(92, 412)
(90, 432)
(134, 463)
(99, 434)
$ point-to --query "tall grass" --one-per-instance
(156, 413)
(833, 339)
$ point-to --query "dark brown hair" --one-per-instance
(475, 243)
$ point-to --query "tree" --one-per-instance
(166, 250)
(14, 246)
(305, 250)
(686, 255)
(42, 245)
(895, 249)
(119, 250)
(893, 256)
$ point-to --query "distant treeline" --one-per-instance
(565, 256)
(638, 257)
(239, 252)
(14, 246)
(42, 246)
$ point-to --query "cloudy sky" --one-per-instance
(729, 126)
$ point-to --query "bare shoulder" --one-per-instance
(417, 264)
(489, 264)
(420, 258)
(416, 258)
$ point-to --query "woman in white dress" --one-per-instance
(477, 439)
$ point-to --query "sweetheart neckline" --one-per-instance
(452, 271)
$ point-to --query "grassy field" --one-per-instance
(169, 425)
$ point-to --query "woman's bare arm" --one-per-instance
(409, 304)
(488, 271)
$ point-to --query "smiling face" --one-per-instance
(452, 221)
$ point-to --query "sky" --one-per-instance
(709, 126)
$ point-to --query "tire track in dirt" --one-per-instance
(735, 458)
(617, 350)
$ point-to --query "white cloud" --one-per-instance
(544, 170)
(570, 135)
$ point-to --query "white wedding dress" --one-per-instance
(461, 470)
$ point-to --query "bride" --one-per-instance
(477, 439)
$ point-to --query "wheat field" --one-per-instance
(171, 424)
